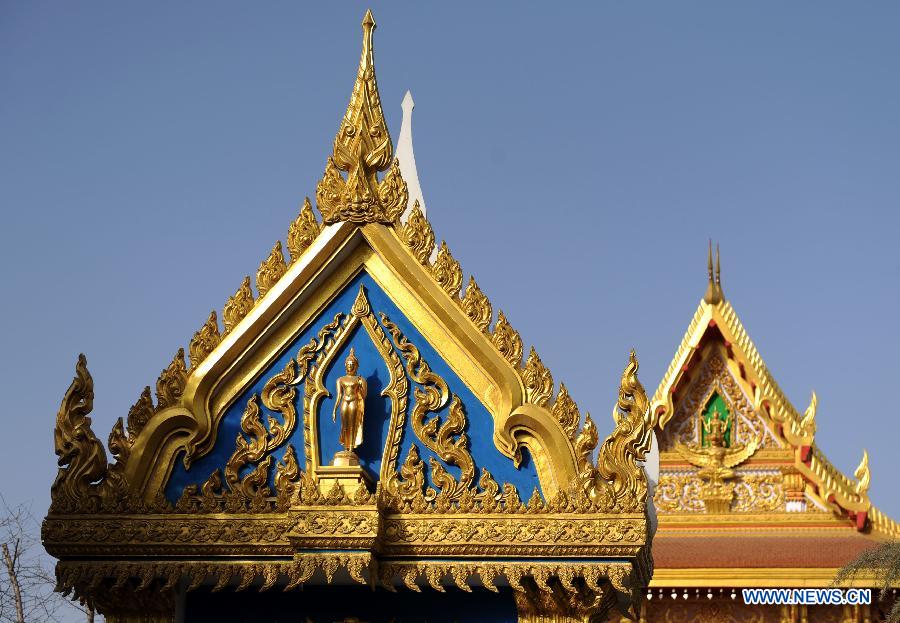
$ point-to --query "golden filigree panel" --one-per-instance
(715, 377)
(680, 492)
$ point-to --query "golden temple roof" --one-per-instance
(583, 491)
(827, 486)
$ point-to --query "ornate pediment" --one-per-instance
(785, 473)
(362, 414)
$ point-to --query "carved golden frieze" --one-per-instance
(753, 493)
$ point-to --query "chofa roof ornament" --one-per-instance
(362, 148)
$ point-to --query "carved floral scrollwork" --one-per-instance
(238, 306)
(85, 481)
(271, 270)
(258, 440)
(204, 340)
(82, 459)
(447, 272)
(447, 440)
(507, 340)
(416, 232)
(566, 412)
(477, 306)
(618, 481)
(537, 379)
(362, 148)
(302, 231)
(171, 382)
(140, 413)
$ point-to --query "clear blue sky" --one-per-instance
(576, 159)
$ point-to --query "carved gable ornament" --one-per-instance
(362, 416)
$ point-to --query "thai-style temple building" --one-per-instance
(745, 498)
(357, 438)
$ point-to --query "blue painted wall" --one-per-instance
(373, 368)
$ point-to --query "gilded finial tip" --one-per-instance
(368, 20)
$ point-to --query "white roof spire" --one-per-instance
(406, 157)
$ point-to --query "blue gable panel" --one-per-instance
(377, 412)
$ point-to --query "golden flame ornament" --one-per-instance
(362, 148)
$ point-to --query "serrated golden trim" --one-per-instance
(270, 270)
(303, 231)
(566, 412)
(416, 232)
(447, 272)
(537, 379)
(238, 306)
(171, 382)
(204, 340)
(477, 306)
(507, 341)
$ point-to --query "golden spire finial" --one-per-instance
(362, 148)
(713, 294)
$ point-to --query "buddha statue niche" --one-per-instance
(350, 401)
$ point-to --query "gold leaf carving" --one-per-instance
(270, 270)
(618, 459)
(204, 340)
(537, 379)
(238, 306)
(477, 306)
(277, 395)
(287, 472)
(140, 412)
(303, 231)
(362, 148)
(82, 459)
(447, 272)
(507, 340)
(448, 439)
(566, 412)
(171, 382)
(418, 235)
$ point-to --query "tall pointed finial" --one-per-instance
(407, 158)
(362, 148)
(713, 294)
(718, 268)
